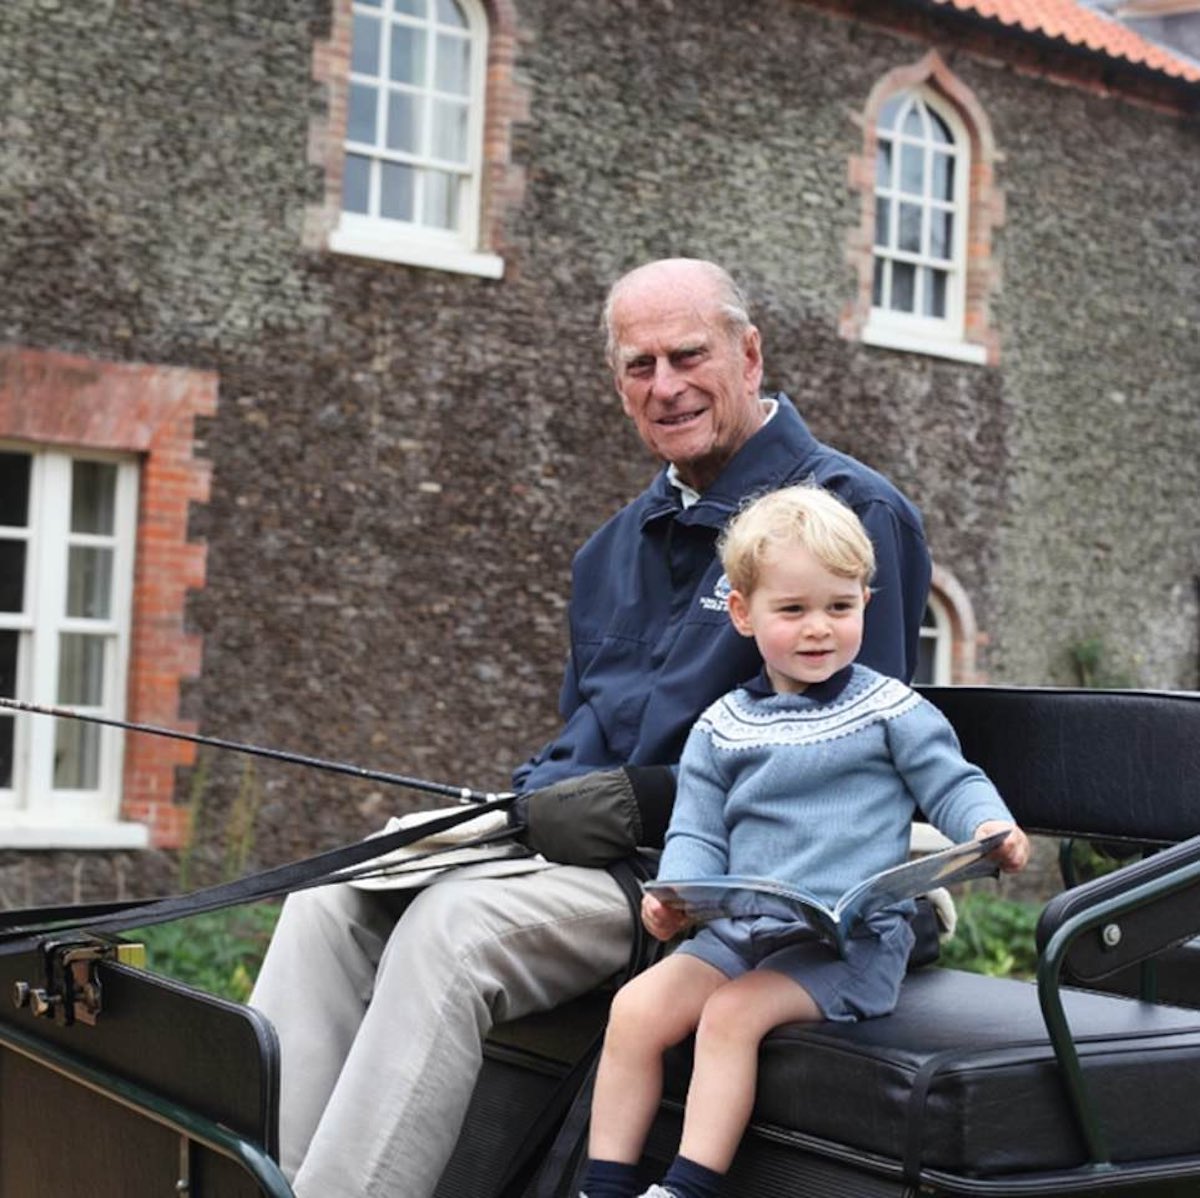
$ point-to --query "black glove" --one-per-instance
(596, 818)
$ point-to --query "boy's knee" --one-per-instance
(636, 1012)
(724, 1016)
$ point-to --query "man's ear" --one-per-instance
(739, 612)
(867, 592)
(752, 360)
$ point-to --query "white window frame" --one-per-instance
(410, 242)
(941, 633)
(925, 838)
(909, 331)
(34, 813)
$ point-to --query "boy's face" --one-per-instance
(806, 621)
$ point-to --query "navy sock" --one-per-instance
(610, 1179)
(686, 1179)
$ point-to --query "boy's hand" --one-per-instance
(1011, 854)
(662, 922)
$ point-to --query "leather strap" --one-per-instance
(271, 883)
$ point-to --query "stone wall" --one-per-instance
(403, 459)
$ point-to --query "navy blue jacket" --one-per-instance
(652, 644)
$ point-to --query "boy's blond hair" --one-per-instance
(805, 515)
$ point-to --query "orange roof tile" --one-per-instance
(1078, 25)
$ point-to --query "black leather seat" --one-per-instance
(961, 1078)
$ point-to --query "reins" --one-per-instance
(464, 794)
(22, 930)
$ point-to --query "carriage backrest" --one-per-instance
(1119, 765)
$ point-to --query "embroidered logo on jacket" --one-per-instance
(734, 724)
(719, 599)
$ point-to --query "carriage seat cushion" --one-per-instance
(961, 1077)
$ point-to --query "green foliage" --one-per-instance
(1089, 657)
(218, 952)
(994, 936)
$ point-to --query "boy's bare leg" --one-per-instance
(655, 1010)
(732, 1025)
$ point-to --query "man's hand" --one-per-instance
(1011, 854)
(662, 922)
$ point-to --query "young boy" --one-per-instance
(810, 774)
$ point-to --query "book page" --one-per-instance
(958, 863)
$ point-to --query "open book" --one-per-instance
(702, 899)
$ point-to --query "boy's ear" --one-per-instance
(867, 593)
(739, 612)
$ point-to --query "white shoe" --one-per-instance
(657, 1191)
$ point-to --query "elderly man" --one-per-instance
(382, 1003)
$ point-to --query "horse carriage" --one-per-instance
(118, 1083)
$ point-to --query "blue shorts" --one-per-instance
(861, 985)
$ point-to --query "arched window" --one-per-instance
(407, 175)
(922, 162)
(934, 653)
(922, 248)
(949, 636)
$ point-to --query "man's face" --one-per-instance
(689, 384)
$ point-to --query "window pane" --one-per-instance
(411, 8)
(360, 124)
(883, 213)
(939, 128)
(926, 650)
(356, 184)
(369, 3)
(453, 70)
(889, 112)
(450, 131)
(943, 176)
(8, 663)
(408, 55)
(93, 497)
(397, 199)
(7, 730)
(76, 756)
(364, 57)
(877, 283)
(914, 123)
(12, 575)
(8, 690)
(933, 300)
(941, 230)
(89, 582)
(883, 164)
(14, 489)
(450, 14)
(904, 276)
(403, 122)
(910, 228)
(81, 669)
(441, 200)
(912, 169)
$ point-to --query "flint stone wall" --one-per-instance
(404, 459)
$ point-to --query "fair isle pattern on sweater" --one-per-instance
(736, 722)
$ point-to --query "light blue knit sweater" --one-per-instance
(819, 789)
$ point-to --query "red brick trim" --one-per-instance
(505, 102)
(965, 637)
(985, 201)
(49, 398)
